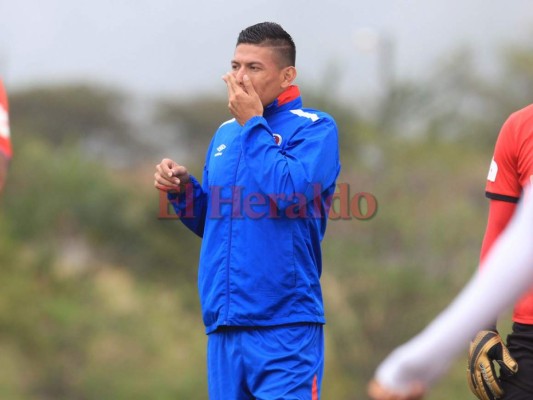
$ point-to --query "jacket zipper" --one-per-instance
(230, 236)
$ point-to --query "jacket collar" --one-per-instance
(290, 98)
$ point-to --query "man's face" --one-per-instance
(262, 67)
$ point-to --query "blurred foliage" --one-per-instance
(99, 296)
(100, 120)
(193, 121)
(64, 114)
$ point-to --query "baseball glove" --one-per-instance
(482, 378)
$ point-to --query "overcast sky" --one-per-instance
(180, 48)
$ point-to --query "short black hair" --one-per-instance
(270, 34)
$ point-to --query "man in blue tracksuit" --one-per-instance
(261, 211)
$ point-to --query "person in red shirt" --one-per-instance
(505, 274)
(510, 171)
(5, 144)
(409, 372)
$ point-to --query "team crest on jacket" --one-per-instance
(277, 138)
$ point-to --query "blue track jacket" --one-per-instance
(262, 210)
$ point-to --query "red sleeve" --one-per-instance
(512, 164)
(5, 142)
(500, 212)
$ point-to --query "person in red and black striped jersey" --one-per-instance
(6, 151)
